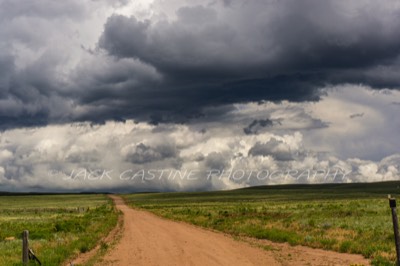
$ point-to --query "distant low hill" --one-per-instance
(387, 187)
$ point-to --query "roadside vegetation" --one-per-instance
(349, 218)
(60, 226)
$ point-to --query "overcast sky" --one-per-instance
(133, 95)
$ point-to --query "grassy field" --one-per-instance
(352, 218)
(60, 226)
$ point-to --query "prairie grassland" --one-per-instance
(60, 226)
(351, 218)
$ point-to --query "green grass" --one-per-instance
(60, 226)
(351, 218)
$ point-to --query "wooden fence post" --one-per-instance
(25, 247)
(392, 204)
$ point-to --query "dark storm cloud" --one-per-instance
(283, 37)
(275, 148)
(26, 95)
(141, 153)
(217, 161)
(174, 67)
(215, 55)
(6, 71)
(256, 124)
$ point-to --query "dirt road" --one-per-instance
(151, 240)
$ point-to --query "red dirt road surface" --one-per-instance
(151, 240)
